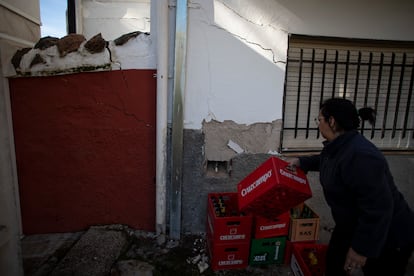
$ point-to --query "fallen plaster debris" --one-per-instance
(196, 259)
(172, 244)
(234, 146)
(203, 264)
(201, 261)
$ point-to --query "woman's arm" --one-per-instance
(306, 163)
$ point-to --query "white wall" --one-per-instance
(237, 49)
(28, 9)
(236, 53)
(113, 18)
(19, 27)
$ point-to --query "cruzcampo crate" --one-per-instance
(225, 256)
(267, 251)
(271, 227)
(272, 189)
(308, 259)
(289, 250)
(224, 221)
(304, 224)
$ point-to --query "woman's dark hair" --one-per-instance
(345, 113)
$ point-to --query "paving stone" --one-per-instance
(94, 254)
(42, 252)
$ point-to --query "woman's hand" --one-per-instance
(354, 261)
(293, 162)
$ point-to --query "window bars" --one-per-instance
(369, 74)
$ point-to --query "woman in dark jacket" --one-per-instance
(374, 226)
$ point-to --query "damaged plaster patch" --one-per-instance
(253, 139)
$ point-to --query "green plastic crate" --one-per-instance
(267, 251)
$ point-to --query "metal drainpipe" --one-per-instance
(161, 10)
(178, 118)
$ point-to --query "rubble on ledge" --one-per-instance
(73, 54)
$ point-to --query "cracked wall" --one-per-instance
(233, 73)
(113, 18)
(85, 150)
(237, 50)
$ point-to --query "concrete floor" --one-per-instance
(119, 251)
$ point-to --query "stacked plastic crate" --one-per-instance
(228, 232)
(308, 259)
(269, 239)
(269, 192)
(265, 222)
(305, 256)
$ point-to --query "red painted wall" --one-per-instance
(85, 150)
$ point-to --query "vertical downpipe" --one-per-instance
(161, 36)
(178, 118)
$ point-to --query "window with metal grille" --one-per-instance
(377, 74)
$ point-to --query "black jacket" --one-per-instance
(359, 188)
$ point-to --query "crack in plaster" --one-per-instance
(239, 15)
(110, 53)
(123, 109)
(193, 5)
(251, 21)
(245, 39)
(248, 41)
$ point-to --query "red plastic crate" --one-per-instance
(275, 227)
(224, 256)
(273, 189)
(308, 259)
(289, 250)
(230, 226)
